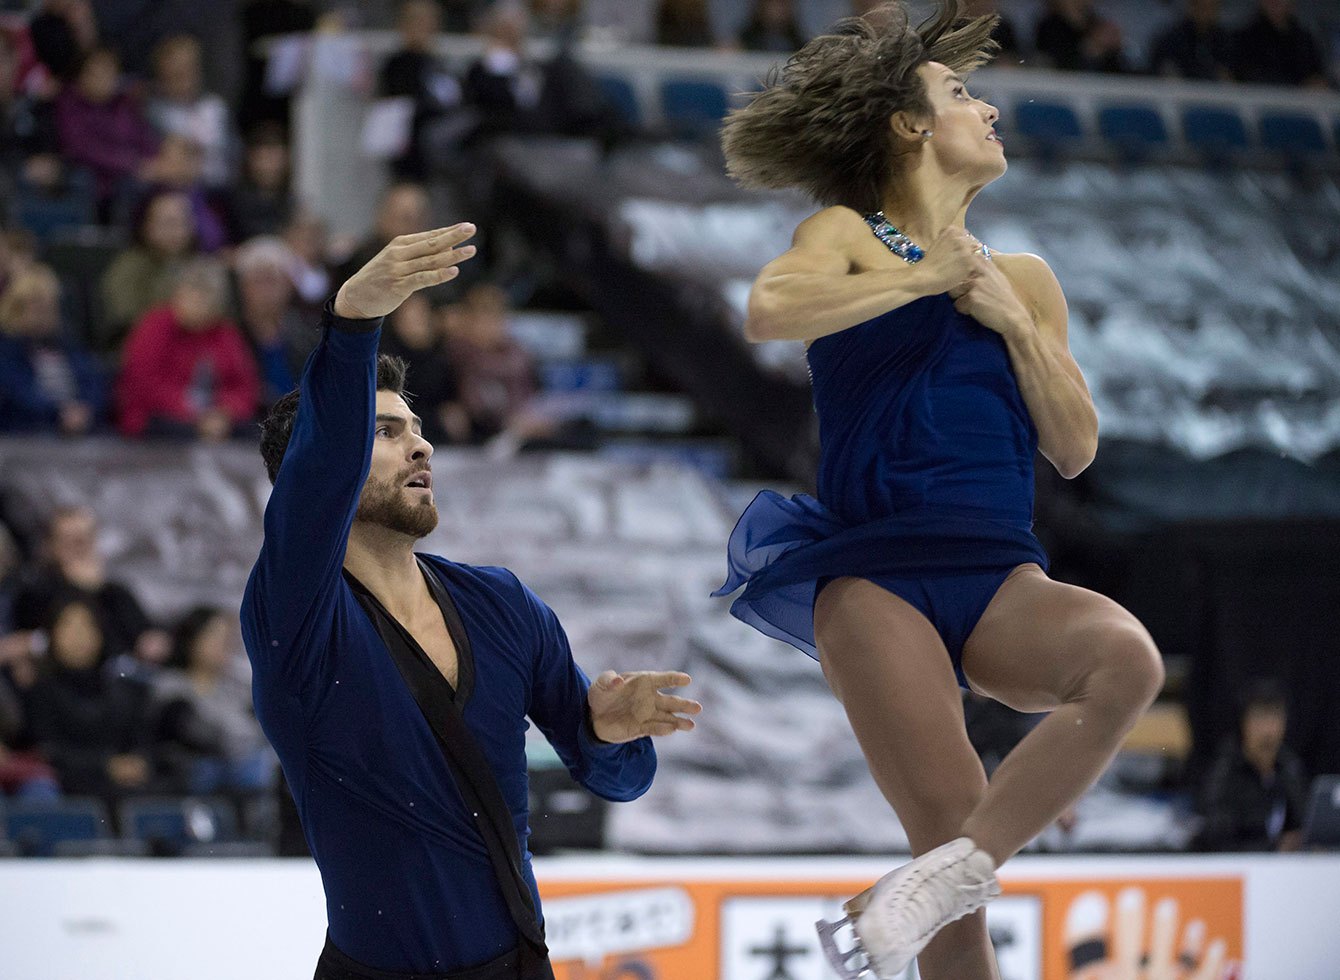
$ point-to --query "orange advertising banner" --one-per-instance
(1043, 929)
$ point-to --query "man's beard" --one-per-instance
(383, 503)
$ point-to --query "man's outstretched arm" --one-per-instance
(329, 451)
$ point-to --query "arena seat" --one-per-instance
(36, 828)
(1050, 125)
(169, 824)
(1214, 132)
(1296, 136)
(588, 374)
(1134, 130)
(693, 108)
(622, 97)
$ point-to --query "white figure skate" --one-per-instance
(894, 920)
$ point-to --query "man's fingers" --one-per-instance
(678, 706)
(609, 678)
(428, 242)
(435, 260)
(433, 277)
(665, 678)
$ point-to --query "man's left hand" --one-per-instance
(629, 706)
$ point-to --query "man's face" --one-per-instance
(73, 536)
(1263, 731)
(398, 494)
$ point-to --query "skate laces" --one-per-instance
(930, 896)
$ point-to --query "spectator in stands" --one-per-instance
(504, 86)
(262, 20)
(177, 166)
(262, 203)
(23, 775)
(1275, 48)
(29, 144)
(556, 20)
(209, 674)
(141, 277)
(416, 72)
(72, 564)
(1254, 795)
(102, 126)
(281, 335)
(1073, 36)
(772, 26)
(1011, 53)
(495, 375)
(187, 369)
(63, 33)
(18, 252)
(413, 333)
(180, 105)
(48, 382)
(403, 210)
(305, 235)
(1197, 46)
(684, 24)
(95, 728)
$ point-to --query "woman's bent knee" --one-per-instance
(1128, 671)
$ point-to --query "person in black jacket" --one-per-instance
(1197, 46)
(1254, 795)
(97, 728)
(416, 72)
(1275, 48)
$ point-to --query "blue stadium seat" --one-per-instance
(1049, 124)
(622, 97)
(169, 824)
(1213, 130)
(584, 375)
(693, 108)
(1133, 129)
(36, 828)
(1293, 135)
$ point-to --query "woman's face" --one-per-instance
(76, 638)
(963, 138)
(40, 315)
(99, 78)
(169, 224)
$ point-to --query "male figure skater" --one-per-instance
(363, 652)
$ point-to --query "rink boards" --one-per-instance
(644, 919)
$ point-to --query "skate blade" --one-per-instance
(853, 964)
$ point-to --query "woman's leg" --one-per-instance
(889, 668)
(1045, 646)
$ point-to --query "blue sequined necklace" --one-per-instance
(902, 246)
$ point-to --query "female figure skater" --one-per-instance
(938, 367)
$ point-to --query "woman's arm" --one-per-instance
(814, 290)
(1018, 297)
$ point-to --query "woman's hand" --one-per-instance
(406, 265)
(989, 298)
(949, 263)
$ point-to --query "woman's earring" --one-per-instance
(927, 133)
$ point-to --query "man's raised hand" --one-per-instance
(628, 706)
(406, 265)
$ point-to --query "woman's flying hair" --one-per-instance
(822, 123)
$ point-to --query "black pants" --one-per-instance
(334, 965)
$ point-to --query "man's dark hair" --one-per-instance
(277, 428)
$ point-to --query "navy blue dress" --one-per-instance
(925, 483)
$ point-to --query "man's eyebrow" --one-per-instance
(383, 417)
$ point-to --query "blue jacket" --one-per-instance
(408, 882)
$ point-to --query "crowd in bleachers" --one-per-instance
(160, 278)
